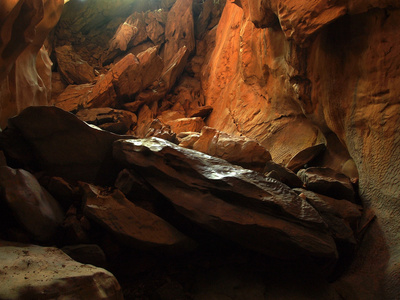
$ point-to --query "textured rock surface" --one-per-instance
(33, 206)
(328, 182)
(130, 223)
(72, 67)
(236, 150)
(25, 67)
(239, 204)
(48, 273)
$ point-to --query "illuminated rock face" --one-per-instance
(25, 75)
(342, 72)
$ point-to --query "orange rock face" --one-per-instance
(25, 73)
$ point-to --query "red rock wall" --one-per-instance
(338, 63)
(25, 74)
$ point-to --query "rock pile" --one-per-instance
(164, 201)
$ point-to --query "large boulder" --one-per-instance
(34, 207)
(242, 205)
(131, 224)
(33, 272)
(63, 145)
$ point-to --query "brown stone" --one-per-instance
(236, 150)
(34, 207)
(239, 204)
(131, 224)
(71, 66)
(304, 157)
(186, 124)
(86, 254)
(179, 29)
(327, 182)
(282, 174)
(33, 272)
(113, 120)
(66, 146)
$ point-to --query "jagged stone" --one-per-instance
(113, 120)
(200, 111)
(327, 182)
(33, 272)
(179, 29)
(237, 150)
(33, 206)
(65, 146)
(186, 124)
(239, 204)
(340, 215)
(304, 157)
(283, 174)
(71, 66)
(131, 224)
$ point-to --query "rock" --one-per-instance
(64, 192)
(179, 29)
(151, 67)
(327, 182)
(145, 118)
(113, 120)
(75, 97)
(175, 67)
(133, 186)
(246, 81)
(201, 111)
(157, 129)
(71, 66)
(187, 139)
(236, 150)
(131, 224)
(57, 85)
(65, 146)
(283, 174)
(37, 272)
(25, 66)
(304, 157)
(155, 21)
(239, 204)
(87, 254)
(130, 33)
(186, 124)
(3, 160)
(32, 205)
(339, 215)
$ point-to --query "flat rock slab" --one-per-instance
(33, 206)
(304, 157)
(239, 204)
(131, 224)
(327, 182)
(33, 272)
(282, 174)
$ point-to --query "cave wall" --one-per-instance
(25, 66)
(290, 74)
(335, 63)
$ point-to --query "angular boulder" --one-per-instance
(239, 204)
(327, 182)
(65, 146)
(340, 215)
(33, 272)
(34, 207)
(304, 157)
(282, 174)
(131, 224)
(72, 67)
(236, 150)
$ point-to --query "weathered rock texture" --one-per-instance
(48, 273)
(240, 204)
(25, 67)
